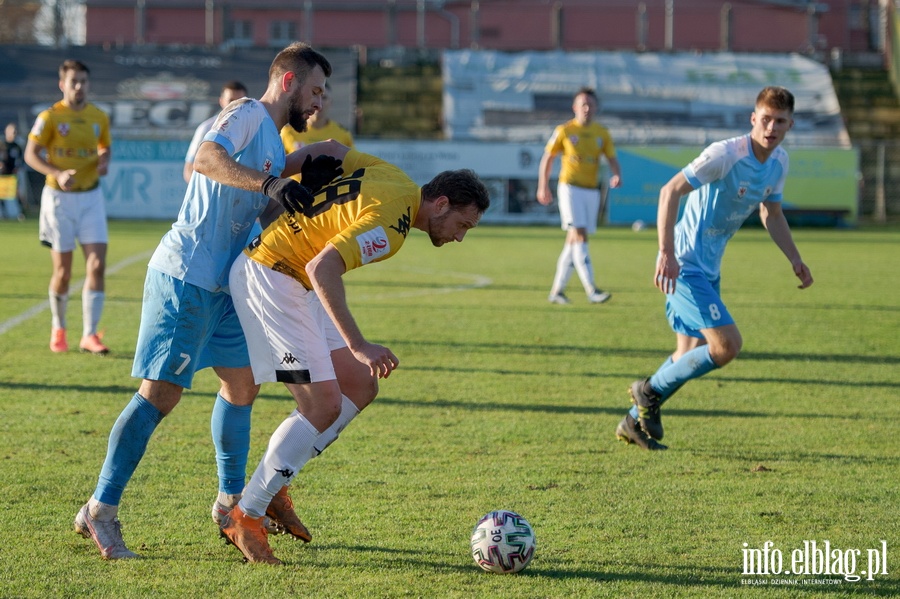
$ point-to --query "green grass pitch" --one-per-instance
(501, 401)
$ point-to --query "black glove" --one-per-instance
(287, 192)
(316, 174)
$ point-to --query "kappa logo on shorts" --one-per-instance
(285, 472)
(289, 358)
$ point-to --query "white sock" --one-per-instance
(228, 499)
(58, 303)
(582, 259)
(91, 309)
(349, 411)
(564, 268)
(291, 446)
(102, 511)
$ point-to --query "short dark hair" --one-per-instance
(588, 91)
(298, 58)
(72, 65)
(462, 187)
(776, 97)
(235, 85)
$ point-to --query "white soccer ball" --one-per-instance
(503, 542)
(638, 225)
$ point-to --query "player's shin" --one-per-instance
(349, 411)
(291, 446)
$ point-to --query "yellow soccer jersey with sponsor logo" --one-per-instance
(581, 148)
(365, 215)
(72, 138)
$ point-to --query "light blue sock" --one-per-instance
(127, 444)
(692, 365)
(230, 426)
(634, 409)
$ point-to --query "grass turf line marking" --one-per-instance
(15, 321)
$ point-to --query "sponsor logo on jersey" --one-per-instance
(373, 244)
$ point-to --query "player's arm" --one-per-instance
(104, 155)
(666, 214)
(616, 179)
(293, 162)
(325, 271)
(214, 161)
(773, 219)
(187, 171)
(544, 196)
(34, 157)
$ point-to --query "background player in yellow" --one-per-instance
(319, 127)
(70, 143)
(581, 142)
(289, 295)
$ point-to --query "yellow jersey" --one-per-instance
(581, 148)
(72, 139)
(294, 140)
(365, 215)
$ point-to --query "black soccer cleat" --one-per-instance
(647, 401)
(630, 431)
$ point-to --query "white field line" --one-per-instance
(476, 281)
(15, 321)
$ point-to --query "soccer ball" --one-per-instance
(638, 225)
(503, 542)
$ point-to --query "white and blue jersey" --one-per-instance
(729, 183)
(215, 220)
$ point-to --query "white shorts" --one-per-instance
(289, 335)
(67, 216)
(578, 207)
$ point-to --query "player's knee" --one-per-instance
(361, 390)
(727, 350)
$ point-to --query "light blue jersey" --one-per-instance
(729, 183)
(215, 220)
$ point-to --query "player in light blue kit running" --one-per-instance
(188, 320)
(725, 184)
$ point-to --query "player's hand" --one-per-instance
(380, 360)
(544, 197)
(802, 272)
(293, 196)
(66, 179)
(667, 270)
(319, 172)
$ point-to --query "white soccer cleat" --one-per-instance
(559, 298)
(107, 535)
(599, 296)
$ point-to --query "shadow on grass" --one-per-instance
(703, 579)
(630, 377)
(658, 354)
(493, 406)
